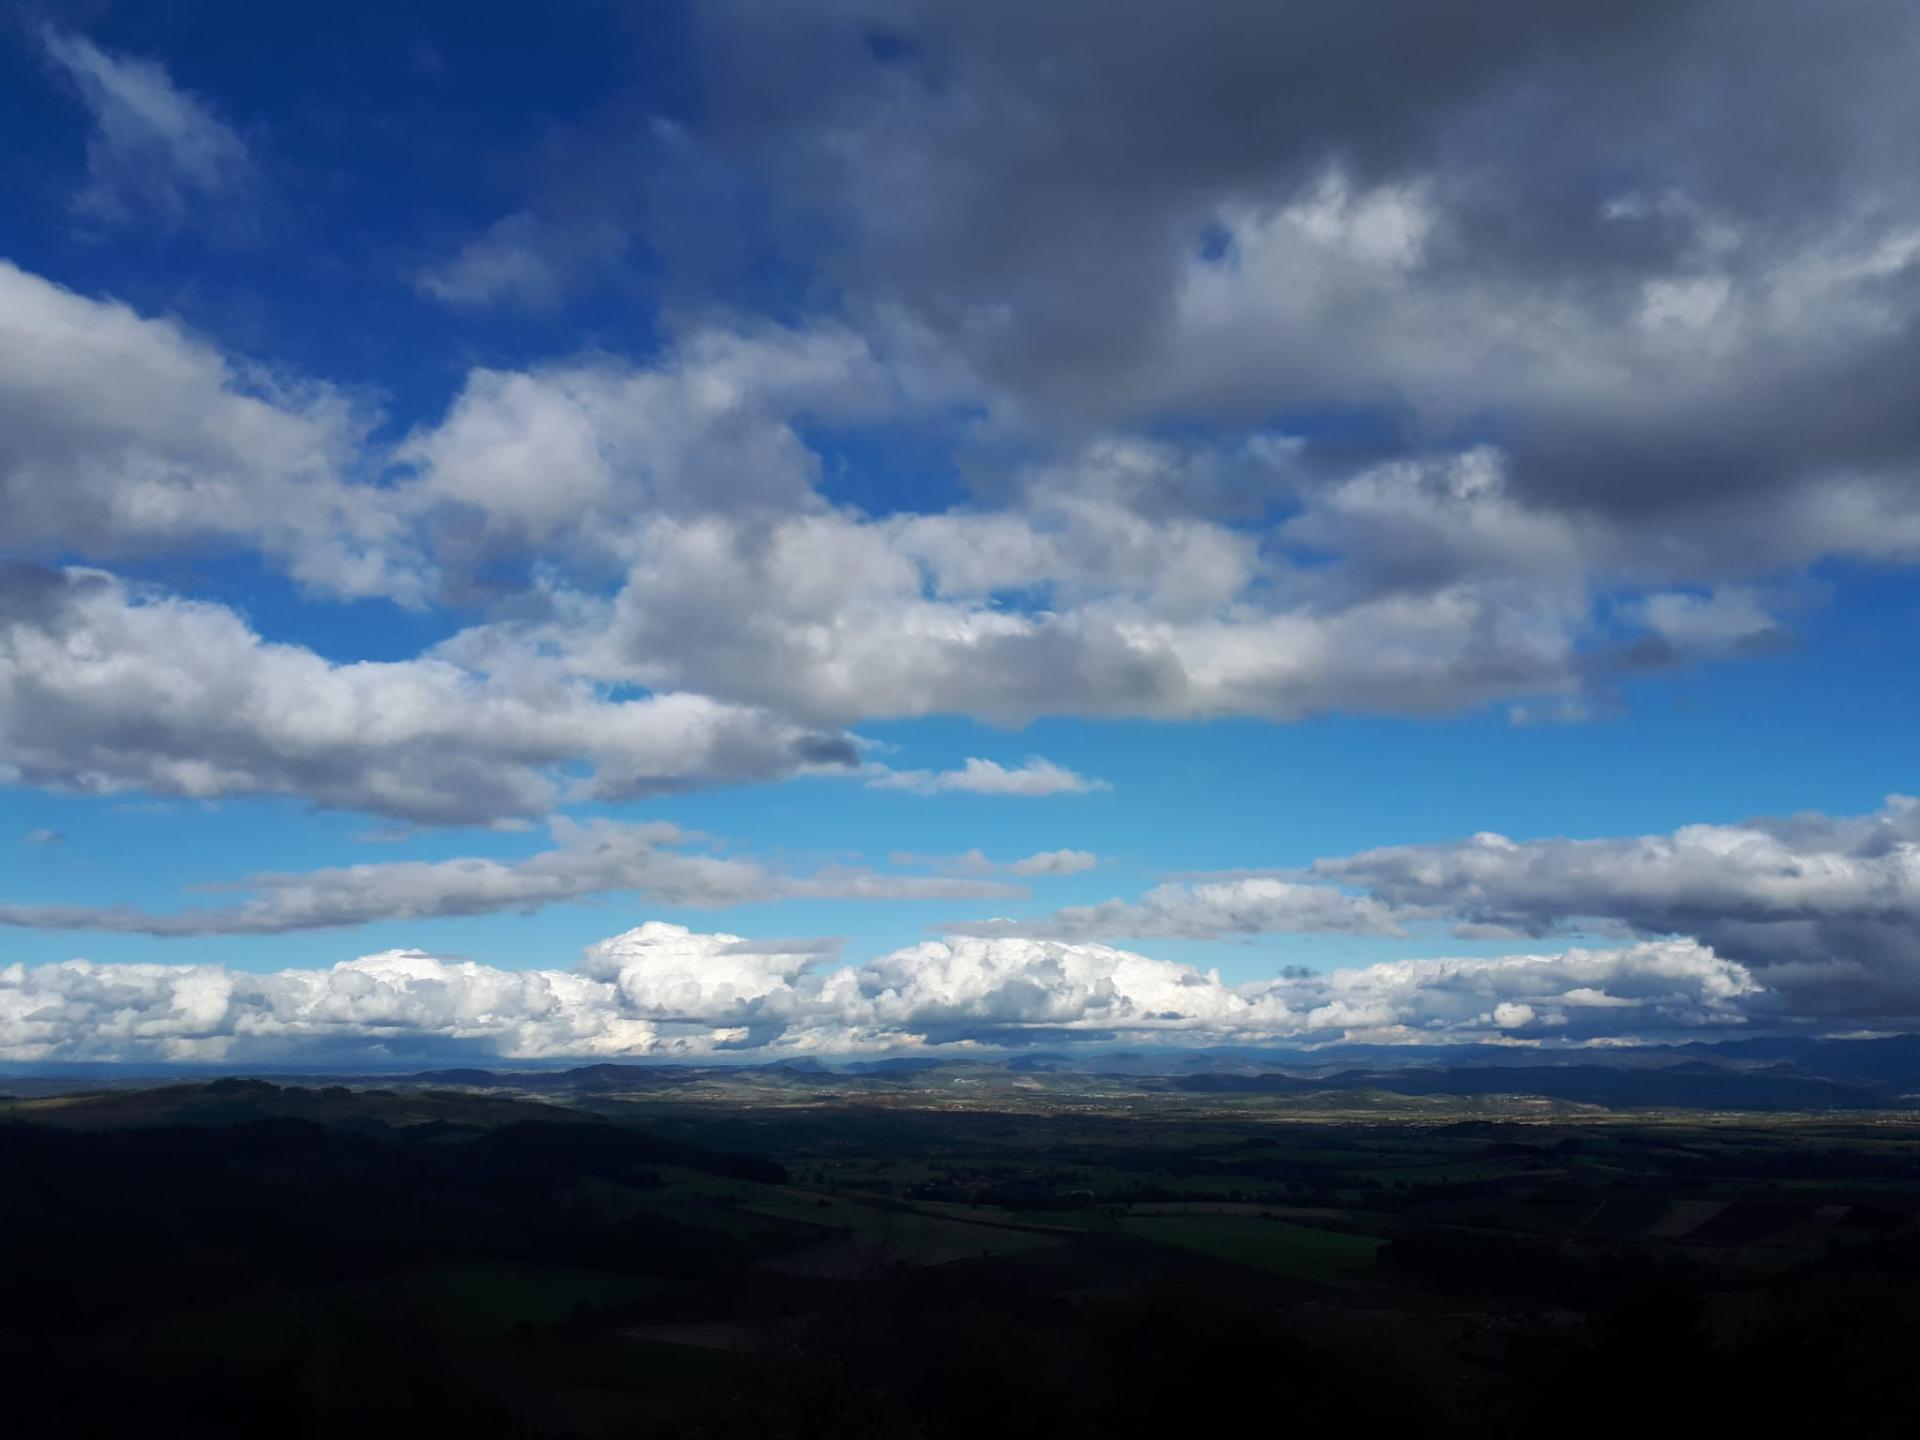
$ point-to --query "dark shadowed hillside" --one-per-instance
(247, 1257)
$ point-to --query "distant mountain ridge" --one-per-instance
(1781, 1073)
(1760, 1073)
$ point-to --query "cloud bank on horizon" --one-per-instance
(1804, 919)
(662, 991)
(781, 412)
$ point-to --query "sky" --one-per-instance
(723, 531)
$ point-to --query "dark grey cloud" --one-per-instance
(1059, 159)
(1521, 345)
(1661, 259)
(1663, 252)
(1824, 910)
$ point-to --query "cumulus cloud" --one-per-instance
(592, 859)
(836, 618)
(1799, 868)
(1556, 217)
(1038, 776)
(157, 152)
(1662, 987)
(1825, 909)
(588, 454)
(1690, 373)
(127, 434)
(1413, 586)
(359, 1009)
(122, 434)
(661, 990)
(1064, 234)
(106, 687)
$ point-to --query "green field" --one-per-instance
(465, 1300)
(1324, 1257)
(905, 1234)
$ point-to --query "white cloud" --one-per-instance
(1825, 909)
(1410, 587)
(666, 974)
(1081, 600)
(662, 990)
(521, 260)
(108, 687)
(1055, 862)
(1038, 776)
(977, 862)
(834, 618)
(1116, 577)
(78, 1010)
(591, 859)
(156, 152)
(1256, 905)
(1690, 382)
(121, 434)
(1714, 622)
(587, 455)
(1662, 987)
(1801, 868)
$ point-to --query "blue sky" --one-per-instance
(881, 448)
